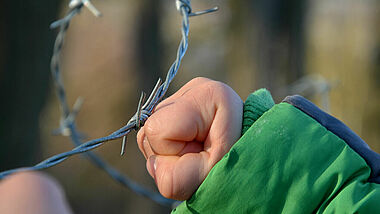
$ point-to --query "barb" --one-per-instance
(186, 4)
(67, 125)
(86, 3)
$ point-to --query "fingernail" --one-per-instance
(145, 145)
(153, 165)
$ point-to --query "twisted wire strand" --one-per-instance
(68, 127)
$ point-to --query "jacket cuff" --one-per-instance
(256, 105)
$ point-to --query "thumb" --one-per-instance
(177, 177)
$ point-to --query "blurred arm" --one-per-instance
(32, 193)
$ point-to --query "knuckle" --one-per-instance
(216, 89)
(198, 80)
(152, 127)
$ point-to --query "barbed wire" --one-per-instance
(144, 109)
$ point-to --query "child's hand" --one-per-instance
(188, 134)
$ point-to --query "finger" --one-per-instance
(178, 177)
(148, 149)
(191, 147)
(140, 140)
(222, 134)
(143, 144)
(173, 124)
(184, 89)
(170, 129)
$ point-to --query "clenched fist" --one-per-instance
(188, 133)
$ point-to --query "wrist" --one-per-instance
(255, 106)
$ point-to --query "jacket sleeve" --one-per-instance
(291, 158)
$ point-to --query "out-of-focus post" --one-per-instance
(25, 48)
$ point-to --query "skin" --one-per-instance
(186, 136)
(188, 133)
(33, 193)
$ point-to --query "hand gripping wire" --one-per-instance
(183, 6)
(144, 109)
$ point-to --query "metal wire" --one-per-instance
(144, 110)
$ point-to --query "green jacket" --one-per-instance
(291, 158)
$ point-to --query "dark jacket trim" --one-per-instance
(342, 131)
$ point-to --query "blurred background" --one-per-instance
(326, 50)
